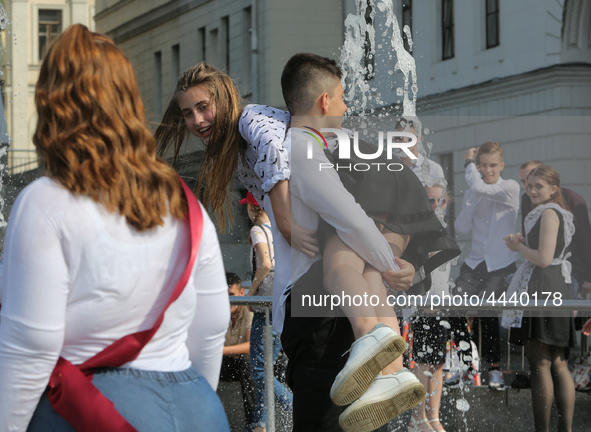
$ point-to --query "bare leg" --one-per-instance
(385, 314)
(343, 276)
(419, 416)
(542, 387)
(434, 392)
(346, 273)
(564, 389)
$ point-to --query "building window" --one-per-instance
(50, 26)
(201, 44)
(176, 63)
(226, 43)
(369, 58)
(447, 26)
(213, 49)
(247, 32)
(492, 23)
(406, 21)
(158, 84)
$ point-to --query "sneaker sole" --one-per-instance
(375, 412)
(499, 388)
(351, 386)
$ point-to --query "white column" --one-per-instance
(17, 98)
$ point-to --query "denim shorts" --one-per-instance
(150, 401)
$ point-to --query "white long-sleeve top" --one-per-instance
(317, 194)
(489, 211)
(77, 278)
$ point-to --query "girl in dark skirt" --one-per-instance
(549, 229)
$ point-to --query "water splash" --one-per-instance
(4, 138)
(357, 58)
(405, 62)
(3, 18)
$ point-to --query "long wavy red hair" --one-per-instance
(91, 132)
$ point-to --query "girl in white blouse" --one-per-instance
(94, 250)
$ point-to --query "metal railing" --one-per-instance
(269, 379)
(267, 302)
(20, 160)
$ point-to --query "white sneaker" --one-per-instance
(369, 355)
(387, 397)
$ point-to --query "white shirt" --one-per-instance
(428, 172)
(489, 211)
(316, 194)
(76, 278)
(262, 234)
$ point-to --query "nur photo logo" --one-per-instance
(389, 143)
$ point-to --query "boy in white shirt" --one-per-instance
(490, 209)
(315, 345)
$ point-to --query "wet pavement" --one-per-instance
(496, 411)
(488, 410)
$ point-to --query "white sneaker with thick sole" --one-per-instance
(387, 397)
(369, 355)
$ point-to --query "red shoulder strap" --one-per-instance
(71, 392)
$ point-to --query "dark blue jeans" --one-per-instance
(481, 282)
(257, 366)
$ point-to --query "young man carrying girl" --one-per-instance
(353, 258)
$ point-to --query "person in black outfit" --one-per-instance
(549, 229)
(580, 247)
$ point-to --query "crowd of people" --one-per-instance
(115, 302)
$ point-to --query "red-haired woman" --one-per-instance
(549, 228)
(95, 252)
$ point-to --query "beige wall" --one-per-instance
(282, 28)
(20, 65)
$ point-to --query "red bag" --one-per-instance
(71, 392)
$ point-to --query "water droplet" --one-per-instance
(445, 324)
(464, 346)
(462, 405)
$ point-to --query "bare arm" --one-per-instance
(263, 268)
(542, 257)
(297, 236)
(238, 349)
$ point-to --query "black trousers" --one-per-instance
(480, 282)
(315, 348)
(237, 368)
